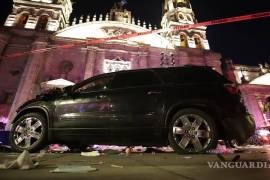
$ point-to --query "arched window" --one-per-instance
(198, 42)
(42, 22)
(22, 20)
(189, 18)
(183, 40)
(181, 16)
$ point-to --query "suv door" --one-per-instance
(87, 111)
(137, 103)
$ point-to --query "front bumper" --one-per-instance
(240, 128)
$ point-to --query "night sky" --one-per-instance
(245, 42)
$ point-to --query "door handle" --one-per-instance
(154, 92)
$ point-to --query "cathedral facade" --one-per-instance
(38, 24)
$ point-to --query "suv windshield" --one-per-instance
(98, 84)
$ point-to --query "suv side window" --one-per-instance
(96, 85)
(134, 79)
(182, 76)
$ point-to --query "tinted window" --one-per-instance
(96, 85)
(134, 79)
(190, 75)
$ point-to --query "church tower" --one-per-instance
(119, 13)
(179, 12)
(42, 15)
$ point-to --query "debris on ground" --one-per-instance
(73, 169)
(97, 163)
(138, 149)
(90, 154)
(128, 151)
(57, 148)
(166, 149)
(187, 157)
(23, 162)
(116, 166)
(153, 150)
(222, 149)
(102, 148)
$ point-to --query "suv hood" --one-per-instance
(46, 96)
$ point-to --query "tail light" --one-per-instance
(231, 88)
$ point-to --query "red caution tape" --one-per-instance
(126, 36)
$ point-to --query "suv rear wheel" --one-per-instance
(29, 133)
(192, 131)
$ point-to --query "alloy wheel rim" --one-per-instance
(192, 133)
(28, 132)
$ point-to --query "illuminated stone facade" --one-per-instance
(254, 84)
(47, 15)
(179, 12)
(23, 31)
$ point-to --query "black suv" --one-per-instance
(190, 108)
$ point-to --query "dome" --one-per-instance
(106, 29)
(262, 80)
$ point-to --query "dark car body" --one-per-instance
(136, 107)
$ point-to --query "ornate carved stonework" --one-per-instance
(116, 31)
(116, 65)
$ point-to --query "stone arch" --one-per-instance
(22, 19)
(181, 16)
(42, 22)
(47, 12)
(183, 40)
(25, 10)
(189, 17)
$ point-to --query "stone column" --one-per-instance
(100, 56)
(213, 60)
(90, 63)
(143, 60)
(134, 60)
(28, 80)
(252, 105)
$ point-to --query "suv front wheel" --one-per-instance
(29, 133)
(192, 131)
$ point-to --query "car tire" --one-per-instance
(192, 131)
(29, 133)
